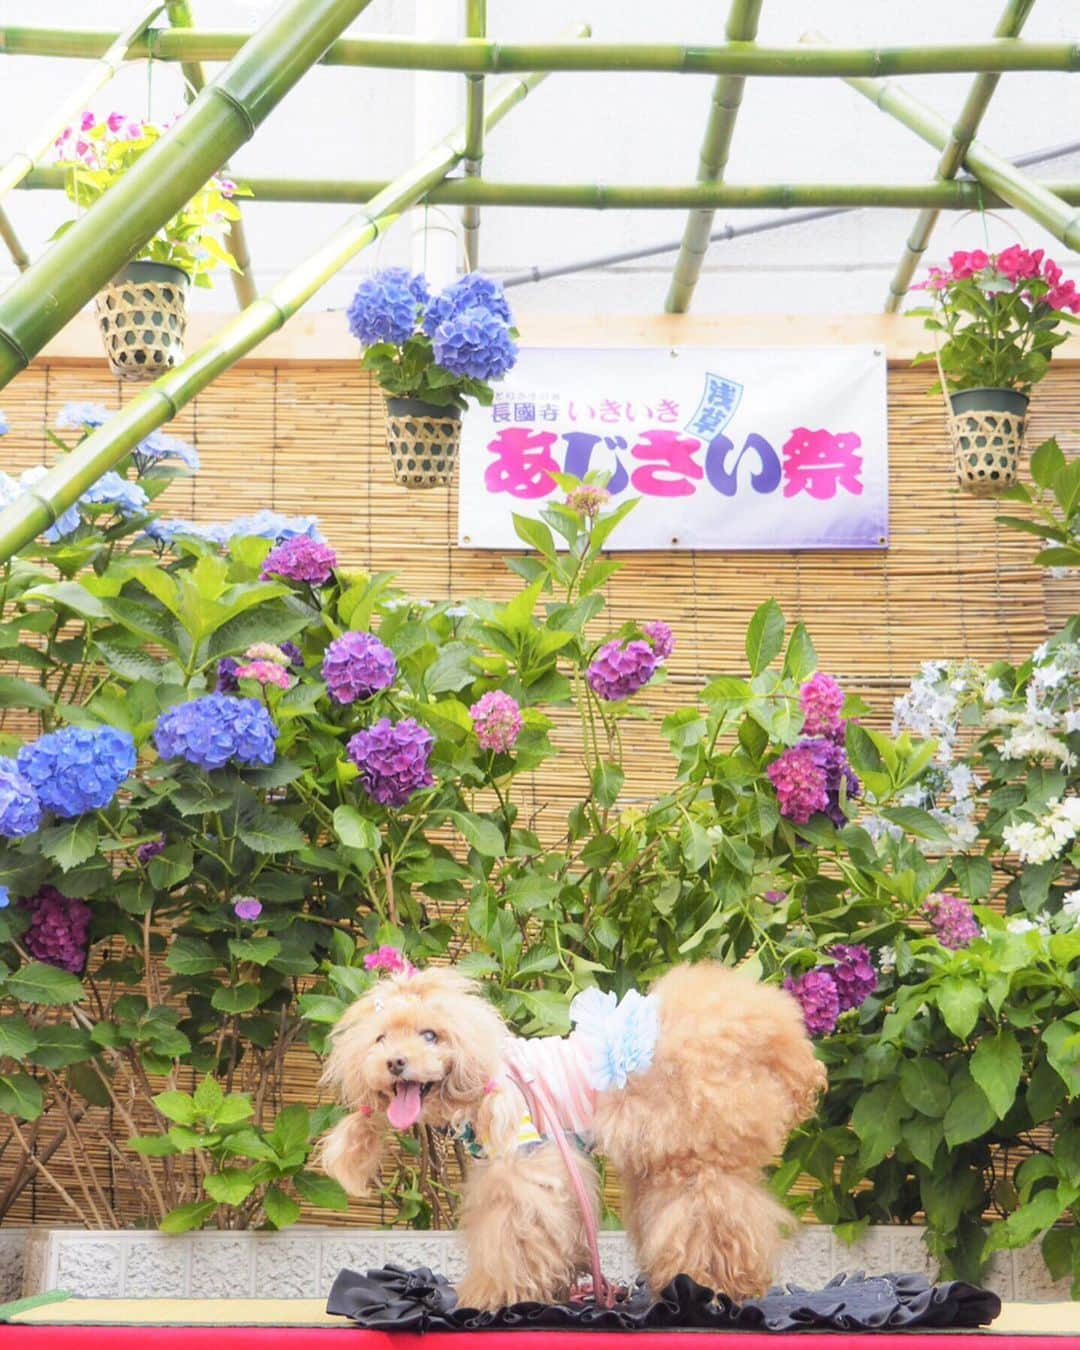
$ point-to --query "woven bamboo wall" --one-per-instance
(306, 437)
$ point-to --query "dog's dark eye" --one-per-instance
(379, 1039)
(429, 1036)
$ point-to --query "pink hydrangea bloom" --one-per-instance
(247, 907)
(821, 699)
(1018, 264)
(496, 720)
(661, 638)
(266, 672)
(389, 959)
(800, 782)
(964, 265)
(618, 671)
(951, 919)
(300, 559)
(816, 993)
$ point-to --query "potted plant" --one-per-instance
(143, 309)
(429, 354)
(999, 317)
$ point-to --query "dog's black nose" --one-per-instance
(396, 1066)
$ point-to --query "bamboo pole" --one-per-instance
(992, 170)
(110, 61)
(179, 14)
(960, 195)
(726, 100)
(11, 240)
(225, 115)
(499, 58)
(65, 482)
(952, 157)
(475, 27)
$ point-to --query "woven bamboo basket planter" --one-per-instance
(142, 314)
(986, 427)
(423, 441)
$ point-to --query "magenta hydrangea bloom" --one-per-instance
(300, 559)
(247, 907)
(853, 974)
(800, 783)
(393, 760)
(816, 993)
(496, 721)
(618, 671)
(821, 699)
(59, 929)
(774, 897)
(951, 919)
(356, 666)
(661, 638)
(389, 959)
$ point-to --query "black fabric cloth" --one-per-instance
(395, 1299)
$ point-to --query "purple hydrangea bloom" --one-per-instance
(951, 919)
(618, 671)
(832, 760)
(247, 907)
(20, 810)
(817, 995)
(357, 666)
(472, 291)
(821, 699)
(807, 779)
(393, 760)
(226, 682)
(300, 559)
(661, 637)
(385, 307)
(149, 850)
(211, 731)
(496, 721)
(292, 653)
(77, 769)
(474, 344)
(59, 929)
(853, 974)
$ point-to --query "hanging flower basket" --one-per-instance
(986, 427)
(143, 313)
(423, 441)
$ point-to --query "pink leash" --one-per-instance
(546, 1120)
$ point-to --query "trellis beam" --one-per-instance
(19, 256)
(952, 157)
(225, 115)
(475, 27)
(959, 195)
(726, 100)
(179, 15)
(109, 62)
(66, 481)
(993, 171)
(484, 57)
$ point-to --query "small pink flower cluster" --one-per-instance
(88, 143)
(389, 959)
(587, 500)
(1014, 264)
(496, 721)
(265, 663)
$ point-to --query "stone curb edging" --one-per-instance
(302, 1262)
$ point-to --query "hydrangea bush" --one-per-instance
(266, 846)
(440, 349)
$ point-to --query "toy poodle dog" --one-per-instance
(689, 1091)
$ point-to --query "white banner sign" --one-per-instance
(729, 448)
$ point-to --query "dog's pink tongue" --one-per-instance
(404, 1110)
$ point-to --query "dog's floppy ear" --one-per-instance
(352, 1150)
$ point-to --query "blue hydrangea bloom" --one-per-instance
(468, 292)
(77, 769)
(157, 447)
(386, 305)
(261, 525)
(619, 1038)
(215, 729)
(113, 490)
(82, 416)
(20, 810)
(5, 897)
(475, 343)
(66, 523)
(4, 426)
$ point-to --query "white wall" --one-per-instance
(578, 128)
